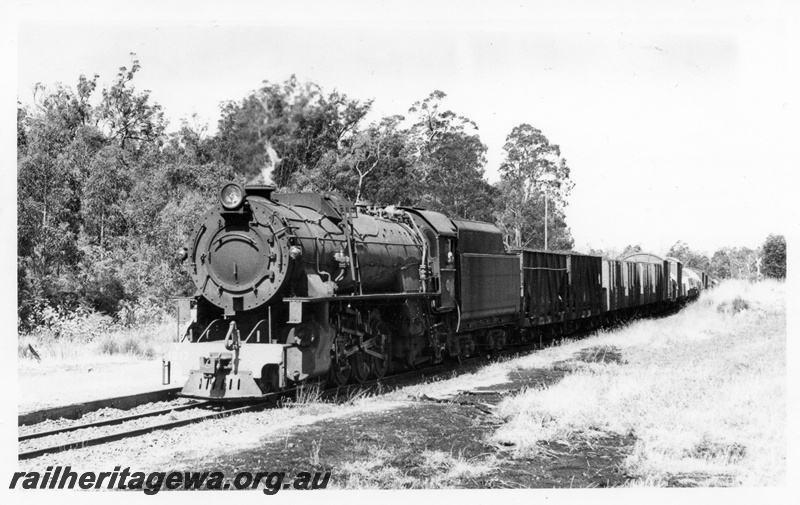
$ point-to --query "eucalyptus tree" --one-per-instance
(534, 181)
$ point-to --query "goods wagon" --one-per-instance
(560, 287)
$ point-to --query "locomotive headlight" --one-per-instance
(231, 196)
(295, 252)
(182, 254)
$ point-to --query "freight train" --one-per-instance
(296, 287)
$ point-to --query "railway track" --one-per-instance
(109, 422)
(376, 386)
(383, 385)
(87, 441)
(77, 410)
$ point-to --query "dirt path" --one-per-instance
(440, 442)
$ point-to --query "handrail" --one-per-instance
(247, 340)
(236, 235)
(423, 267)
(208, 328)
(319, 270)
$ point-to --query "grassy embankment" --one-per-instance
(703, 392)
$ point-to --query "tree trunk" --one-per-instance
(360, 183)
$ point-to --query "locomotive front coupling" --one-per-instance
(233, 368)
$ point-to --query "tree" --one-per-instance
(367, 152)
(735, 262)
(77, 166)
(105, 191)
(692, 259)
(190, 144)
(720, 266)
(282, 130)
(356, 171)
(48, 199)
(393, 180)
(49, 151)
(449, 160)
(22, 136)
(630, 249)
(533, 174)
(774, 257)
(127, 117)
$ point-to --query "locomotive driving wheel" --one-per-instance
(361, 365)
(340, 367)
(382, 345)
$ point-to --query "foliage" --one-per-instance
(78, 335)
(689, 258)
(720, 267)
(93, 186)
(73, 324)
(106, 195)
(282, 130)
(393, 180)
(449, 158)
(734, 263)
(774, 257)
(436, 163)
(127, 117)
(630, 249)
(533, 174)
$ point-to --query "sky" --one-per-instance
(677, 121)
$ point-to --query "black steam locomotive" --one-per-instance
(292, 287)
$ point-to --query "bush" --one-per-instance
(84, 334)
(737, 305)
(79, 324)
(774, 257)
(145, 312)
(109, 345)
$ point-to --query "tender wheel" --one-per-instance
(361, 365)
(383, 345)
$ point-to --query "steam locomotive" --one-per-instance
(292, 287)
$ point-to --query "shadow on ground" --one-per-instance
(434, 442)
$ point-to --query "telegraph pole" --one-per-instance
(545, 218)
(546, 179)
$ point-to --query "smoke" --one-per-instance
(265, 176)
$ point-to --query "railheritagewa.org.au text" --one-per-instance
(151, 483)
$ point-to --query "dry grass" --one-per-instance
(702, 391)
(84, 336)
(95, 343)
(431, 470)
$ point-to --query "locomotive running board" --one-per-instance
(375, 296)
